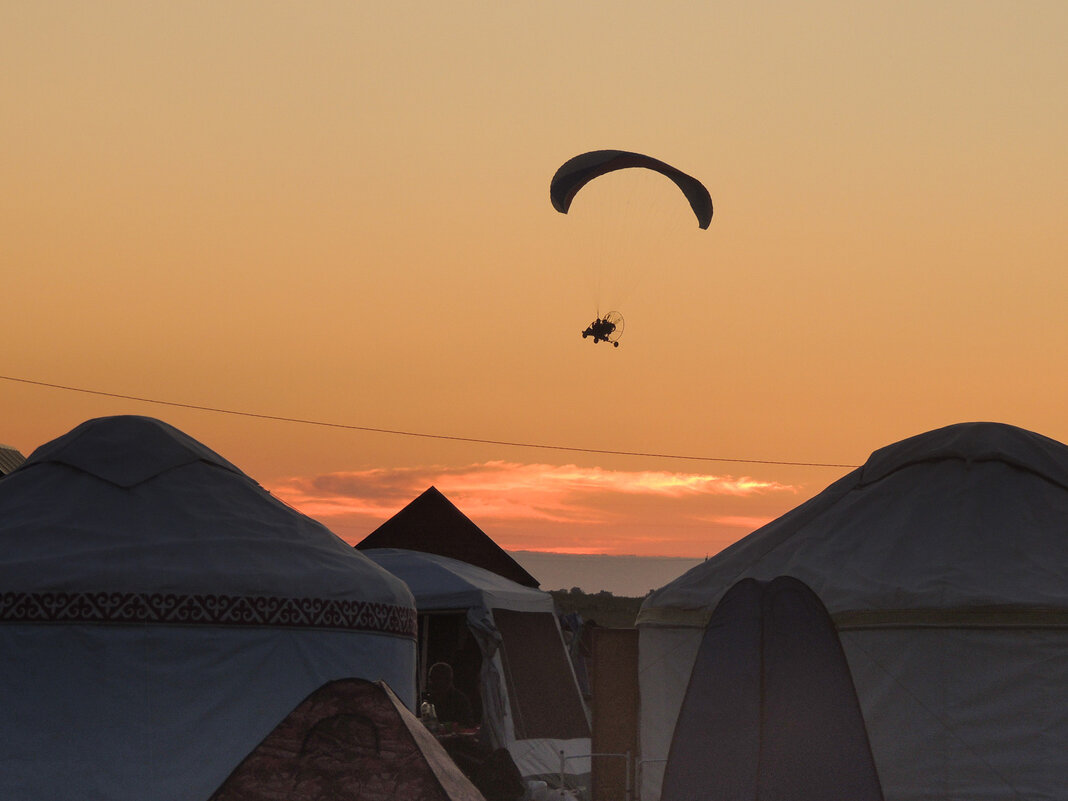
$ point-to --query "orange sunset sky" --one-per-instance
(339, 212)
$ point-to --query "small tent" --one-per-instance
(350, 740)
(770, 711)
(943, 562)
(504, 643)
(161, 612)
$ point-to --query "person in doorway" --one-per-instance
(451, 705)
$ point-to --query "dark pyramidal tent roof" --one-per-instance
(432, 524)
(10, 458)
(350, 740)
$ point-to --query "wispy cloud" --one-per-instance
(749, 523)
(542, 506)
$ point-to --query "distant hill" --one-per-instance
(631, 576)
(603, 608)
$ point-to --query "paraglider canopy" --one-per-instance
(576, 172)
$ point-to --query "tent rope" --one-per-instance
(402, 433)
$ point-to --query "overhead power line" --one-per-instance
(424, 435)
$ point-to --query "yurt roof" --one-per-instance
(972, 517)
(161, 602)
(132, 505)
(441, 583)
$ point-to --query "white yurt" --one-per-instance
(943, 561)
(162, 613)
(504, 643)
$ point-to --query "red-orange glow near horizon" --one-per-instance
(576, 551)
(542, 507)
(339, 213)
(749, 523)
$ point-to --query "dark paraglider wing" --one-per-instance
(575, 173)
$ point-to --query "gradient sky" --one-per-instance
(339, 211)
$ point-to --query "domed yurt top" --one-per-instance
(972, 516)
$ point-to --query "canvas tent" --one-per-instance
(161, 612)
(943, 562)
(509, 637)
(350, 740)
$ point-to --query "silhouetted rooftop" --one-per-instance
(9, 459)
(432, 524)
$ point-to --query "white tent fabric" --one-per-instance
(442, 584)
(438, 582)
(944, 563)
(161, 613)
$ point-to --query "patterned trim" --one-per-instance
(144, 608)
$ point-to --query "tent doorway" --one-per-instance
(445, 637)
